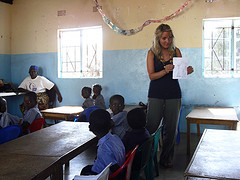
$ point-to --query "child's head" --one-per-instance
(30, 100)
(97, 88)
(100, 122)
(116, 104)
(136, 118)
(86, 92)
(3, 105)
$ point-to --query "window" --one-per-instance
(80, 53)
(221, 44)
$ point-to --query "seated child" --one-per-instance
(86, 93)
(97, 97)
(31, 109)
(118, 116)
(6, 119)
(110, 147)
(136, 119)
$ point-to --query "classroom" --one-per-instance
(29, 35)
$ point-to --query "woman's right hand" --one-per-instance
(168, 68)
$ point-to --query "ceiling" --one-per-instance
(7, 1)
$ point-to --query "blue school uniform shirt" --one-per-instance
(110, 150)
(100, 102)
(87, 103)
(120, 123)
(7, 119)
(32, 114)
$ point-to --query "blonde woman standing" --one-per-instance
(164, 95)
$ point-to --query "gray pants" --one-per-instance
(167, 110)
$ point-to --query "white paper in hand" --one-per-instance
(180, 68)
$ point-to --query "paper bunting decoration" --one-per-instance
(136, 30)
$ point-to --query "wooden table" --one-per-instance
(131, 107)
(127, 108)
(26, 167)
(5, 94)
(196, 178)
(62, 113)
(48, 148)
(217, 156)
(210, 115)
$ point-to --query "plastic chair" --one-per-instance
(9, 133)
(101, 176)
(83, 117)
(178, 130)
(36, 125)
(153, 159)
(141, 159)
(124, 172)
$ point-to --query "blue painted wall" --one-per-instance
(125, 73)
(5, 67)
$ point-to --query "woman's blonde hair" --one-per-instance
(156, 46)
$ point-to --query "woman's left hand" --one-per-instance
(189, 69)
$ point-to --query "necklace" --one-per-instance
(164, 61)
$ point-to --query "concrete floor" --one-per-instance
(181, 161)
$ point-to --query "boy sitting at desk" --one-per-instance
(6, 119)
(110, 147)
(86, 93)
(118, 116)
(98, 97)
(31, 109)
(137, 121)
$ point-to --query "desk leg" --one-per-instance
(198, 129)
(67, 164)
(188, 136)
(234, 127)
(58, 173)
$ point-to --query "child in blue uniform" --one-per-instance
(137, 121)
(110, 147)
(31, 109)
(86, 94)
(6, 119)
(118, 116)
(98, 97)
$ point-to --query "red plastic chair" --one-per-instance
(127, 166)
(36, 125)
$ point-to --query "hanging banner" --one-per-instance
(136, 30)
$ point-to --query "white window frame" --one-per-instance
(80, 52)
(221, 48)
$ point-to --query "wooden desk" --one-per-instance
(5, 94)
(210, 115)
(62, 113)
(127, 108)
(25, 167)
(58, 144)
(217, 156)
(130, 107)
